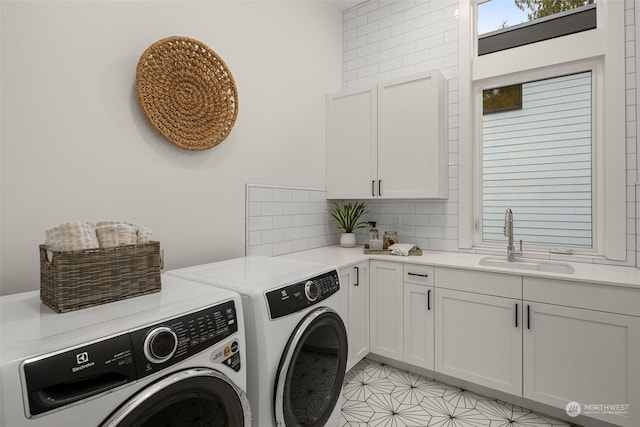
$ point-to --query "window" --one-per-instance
(597, 220)
(504, 24)
(537, 160)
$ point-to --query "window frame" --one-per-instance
(596, 162)
(604, 48)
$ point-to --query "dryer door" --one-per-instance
(312, 369)
(191, 397)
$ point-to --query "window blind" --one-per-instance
(537, 161)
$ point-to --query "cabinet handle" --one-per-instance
(357, 277)
(417, 274)
(373, 188)
(516, 315)
(528, 316)
(429, 299)
(379, 187)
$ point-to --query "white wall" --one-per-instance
(74, 144)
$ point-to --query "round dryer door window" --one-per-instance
(188, 398)
(312, 369)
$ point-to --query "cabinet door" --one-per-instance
(412, 139)
(355, 281)
(351, 144)
(479, 339)
(584, 356)
(418, 325)
(386, 317)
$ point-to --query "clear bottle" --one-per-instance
(390, 239)
(374, 234)
(375, 244)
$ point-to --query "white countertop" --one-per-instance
(593, 273)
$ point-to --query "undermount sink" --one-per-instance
(529, 264)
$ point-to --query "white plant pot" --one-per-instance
(348, 240)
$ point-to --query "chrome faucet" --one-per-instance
(508, 231)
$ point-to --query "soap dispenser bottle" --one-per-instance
(375, 243)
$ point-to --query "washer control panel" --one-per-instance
(64, 378)
(159, 346)
(300, 295)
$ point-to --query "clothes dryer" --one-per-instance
(296, 336)
(176, 357)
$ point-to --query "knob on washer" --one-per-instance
(160, 344)
(311, 290)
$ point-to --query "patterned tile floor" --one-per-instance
(381, 395)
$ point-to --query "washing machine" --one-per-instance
(173, 358)
(296, 336)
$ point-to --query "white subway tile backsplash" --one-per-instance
(260, 194)
(369, 28)
(283, 219)
(354, 22)
(429, 208)
(378, 14)
(283, 247)
(271, 208)
(282, 194)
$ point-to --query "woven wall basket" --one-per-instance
(187, 93)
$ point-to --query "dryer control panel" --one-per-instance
(158, 346)
(300, 295)
(60, 379)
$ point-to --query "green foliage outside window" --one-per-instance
(542, 8)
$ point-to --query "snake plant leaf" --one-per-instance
(348, 216)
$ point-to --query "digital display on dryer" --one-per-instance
(298, 296)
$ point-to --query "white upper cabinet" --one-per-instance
(351, 143)
(389, 140)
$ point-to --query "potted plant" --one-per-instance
(348, 218)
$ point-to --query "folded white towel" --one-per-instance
(115, 221)
(120, 234)
(72, 236)
(402, 249)
(79, 235)
(144, 235)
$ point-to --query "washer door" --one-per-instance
(311, 372)
(189, 398)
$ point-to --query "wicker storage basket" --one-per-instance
(71, 280)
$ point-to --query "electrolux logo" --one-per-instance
(82, 359)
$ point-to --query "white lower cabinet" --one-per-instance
(356, 310)
(419, 315)
(402, 312)
(479, 339)
(478, 334)
(550, 341)
(582, 355)
(387, 302)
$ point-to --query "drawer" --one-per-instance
(481, 282)
(612, 299)
(418, 274)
